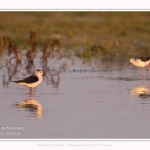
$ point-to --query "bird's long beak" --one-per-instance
(128, 64)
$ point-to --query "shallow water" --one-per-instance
(78, 102)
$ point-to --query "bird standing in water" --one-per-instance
(140, 62)
(31, 81)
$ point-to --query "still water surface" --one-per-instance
(79, 103)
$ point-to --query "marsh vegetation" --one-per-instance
(113, 35)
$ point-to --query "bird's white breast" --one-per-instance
(32, 85)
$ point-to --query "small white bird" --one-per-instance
(140, 62)
(31, 81)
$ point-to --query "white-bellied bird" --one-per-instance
(31, 81)
(140, 62)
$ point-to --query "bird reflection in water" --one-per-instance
(51, 75)
(32, 105)
(141, 91)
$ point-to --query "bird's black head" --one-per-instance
(38, 71)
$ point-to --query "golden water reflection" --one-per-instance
(33, 104)
(141, 91)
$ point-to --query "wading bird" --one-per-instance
(31, 81)
(140, 62)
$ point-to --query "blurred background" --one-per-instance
(113, 35)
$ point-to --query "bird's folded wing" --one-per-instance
(29, 80)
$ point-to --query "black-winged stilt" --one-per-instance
(140, 62)
(31, 81)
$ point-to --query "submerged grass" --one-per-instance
(85, 34)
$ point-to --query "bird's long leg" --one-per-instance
(143, 81)
(32, 92)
